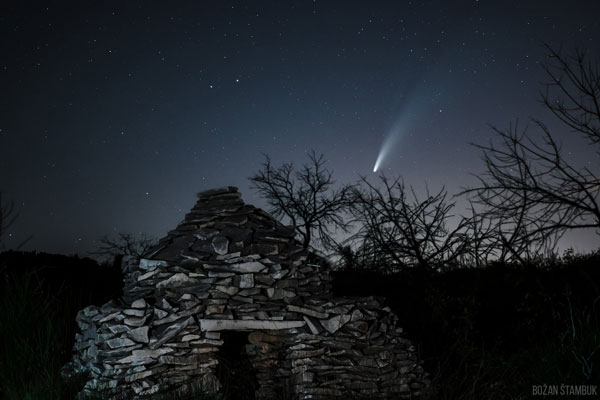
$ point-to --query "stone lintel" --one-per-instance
(212, 325)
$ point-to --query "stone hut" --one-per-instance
(230, 272)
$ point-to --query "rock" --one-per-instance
(89, 334)
(151, 264)
(147, 275)
(215, 309)
(139, 303)
(159, 314)
(278, 294)
(138, 375)
(142, 354)
(229, 290)
(133, 312)
(184, 360)
(304, 377)
(286, 283)
(264, 279)
(109, 317)
(244, 281)
(119, 342)
(139, 334)
(117, 329)
(242, 325)
(188, 338)
(220, 245)
(176, 280)
(133, 321)
(171, 331)
(248, 267)
(164, 304)
(314, 325)
(307, 311)
(335, 323)
(90, 311)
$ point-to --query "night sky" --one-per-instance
(114, 116)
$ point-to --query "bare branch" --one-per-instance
(572, 93)
(532, 193)
(398, 229)
(8, 216)
(126, 244)
(305, 198)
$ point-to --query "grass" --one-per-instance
(195, 393)
(32, 338)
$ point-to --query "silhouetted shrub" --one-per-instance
(494, 332)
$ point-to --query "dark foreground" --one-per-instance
(502, 332)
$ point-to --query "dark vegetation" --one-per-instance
(493, 333)
(492, 307)
(40, 295)
(482, 332)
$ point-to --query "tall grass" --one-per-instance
(193, 392)
(32, 337)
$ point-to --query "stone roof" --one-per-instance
(223, 236)
(220, 223)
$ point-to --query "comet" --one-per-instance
(382, 153)
(387, 145)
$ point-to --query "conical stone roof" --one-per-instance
(220, 223)
(222, 234)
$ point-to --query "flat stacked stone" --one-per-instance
(231, 266)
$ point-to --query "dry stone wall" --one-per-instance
(231, 267)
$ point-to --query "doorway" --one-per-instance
(235, 370)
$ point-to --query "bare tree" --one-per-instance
(8, 215)
(531, 191)
(7, 218)
(573, 91)
(483, 243)
(306, 198)
(126, 244)
(398, 229)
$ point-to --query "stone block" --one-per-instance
(139, 334)
(146, 264)
(335, 323)
(119, 342)
(244, 281)
(220, 245)
(245, 325)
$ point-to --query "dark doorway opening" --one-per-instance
(235, 371)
